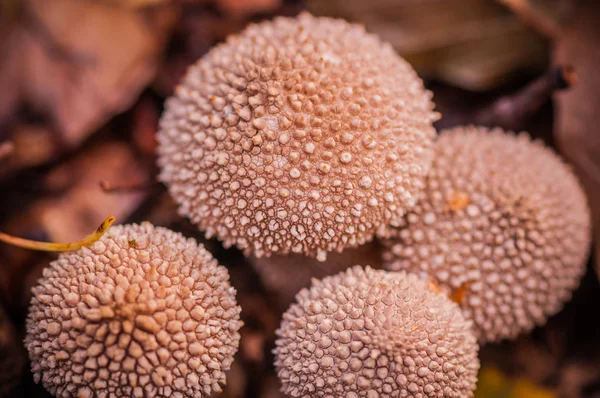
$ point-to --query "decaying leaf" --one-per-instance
(80, 62)
(135, 3)
(30, 145)
(79, 208)
(240, 8)
(82, 205)
(12, 356)
(473, 44)
(577, 116)
(494, 384)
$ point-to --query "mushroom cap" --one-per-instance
(302, 135)
(504, 219)
(142, 312)
(12, 358)
(286, 275)
(368, 333)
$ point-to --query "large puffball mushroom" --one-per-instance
(504, 220)
(286, 275)
(303, 135)
(368, 333)
(143, 312)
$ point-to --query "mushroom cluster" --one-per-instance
(368, 333)
(143, 312)
(295, 139)
(299, 135)
(504, 219)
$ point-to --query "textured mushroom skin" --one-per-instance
(504, 218)
(302, 135)
(368, 333)
(144, 312)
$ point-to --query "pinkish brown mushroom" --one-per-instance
(505, 221)
(368, 333)
(300, 135)
(143, 312)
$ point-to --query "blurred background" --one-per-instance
(82, 85)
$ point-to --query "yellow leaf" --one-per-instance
(494, 384)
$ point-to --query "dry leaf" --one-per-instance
(494, 384)
(577, 115)
(74, 213)
(241, 8)
(473, 44)
(82, 206)
(12, 357)
(81, 62)
(285, 276)
(31, 145)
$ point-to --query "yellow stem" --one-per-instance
(59, 247)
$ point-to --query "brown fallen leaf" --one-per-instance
(74, 213)
(472, 44)
(494, 384)
(32, 145)
(577, 111)
(12, 356)
(79, 209)
(135, 3)
(80, 62)
(241, 8)
(285, 276)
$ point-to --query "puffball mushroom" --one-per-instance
(503, 218)
(287, 275)
(143, 312)
(302, 135)
(368, 333)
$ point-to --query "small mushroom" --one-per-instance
(299, 135)
(368, 333)
(142, 312)
(505, 222)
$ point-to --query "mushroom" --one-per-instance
(299, 135)
(142, 312)
(368, 333)
(284, 276)
(503, 219)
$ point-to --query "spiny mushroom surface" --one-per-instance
(12, 359)
(502, 218)
(143, 312)
(302, 135)
(286, 275)
(368, 333)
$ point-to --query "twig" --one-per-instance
(533, 17)
(511, 111)
(132, 187)
(59, 247)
